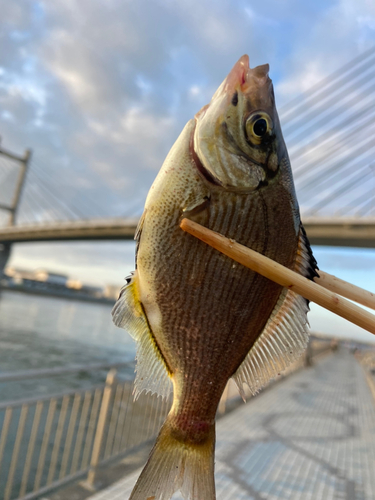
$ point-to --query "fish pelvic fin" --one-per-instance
(152, 373)
(177, 465)
(285, 336)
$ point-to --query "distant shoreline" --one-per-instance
(59, 295)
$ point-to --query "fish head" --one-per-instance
(237, 139)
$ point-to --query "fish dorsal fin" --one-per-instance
(285, 336)
(151, 370)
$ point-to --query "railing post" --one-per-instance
(99, 434)
(309, 355)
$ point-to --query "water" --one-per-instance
(45, 332)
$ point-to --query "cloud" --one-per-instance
(100, 90)
(343, 30)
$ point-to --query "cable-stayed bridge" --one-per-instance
(330, 135)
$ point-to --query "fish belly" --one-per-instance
(208, 310)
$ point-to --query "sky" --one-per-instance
(100, 91)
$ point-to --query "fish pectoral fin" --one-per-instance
(151, 371)
(138, 232)
(139, 227)
(198, 209)
(285, 336)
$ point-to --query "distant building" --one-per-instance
(18, 275)
(43, 281)
(40, 278)
(50, 278)
(74, 284)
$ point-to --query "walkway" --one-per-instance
(310, 437)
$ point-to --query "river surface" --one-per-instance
(44, 332)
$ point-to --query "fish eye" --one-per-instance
(260, 127)
(257, 126)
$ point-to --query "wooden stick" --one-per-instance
(346, 289)
(282, 275)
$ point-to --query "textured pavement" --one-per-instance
(309, 437)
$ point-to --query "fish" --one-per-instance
(198, 317)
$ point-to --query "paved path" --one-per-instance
(310, 437)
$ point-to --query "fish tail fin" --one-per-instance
(176, 464)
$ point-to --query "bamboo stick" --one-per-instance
(346, 289)
(282, 275)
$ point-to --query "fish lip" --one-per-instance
(199, 165)
(241, 75)
(238, 76)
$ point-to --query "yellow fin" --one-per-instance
(285, 336)
(151, 370)
(177, 465)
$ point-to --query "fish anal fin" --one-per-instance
(285, 336)
(151, 371)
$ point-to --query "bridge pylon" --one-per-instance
(12, 207)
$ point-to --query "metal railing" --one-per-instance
(46, 442)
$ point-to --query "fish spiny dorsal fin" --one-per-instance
(151, 371)
(285, 335)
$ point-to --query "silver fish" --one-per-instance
(198, 317)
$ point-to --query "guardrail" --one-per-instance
(46, 442)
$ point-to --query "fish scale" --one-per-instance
(199, 318)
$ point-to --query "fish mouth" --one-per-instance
(242, 76)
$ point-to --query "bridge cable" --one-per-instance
(332, 114)
(53, 199)
(357, 203)
(327, 156)
(70, 209)
(83, 201)
(346, 125)
(316, 181)
(322, 104)
(336, 194)
(39, 210)
(330, 80)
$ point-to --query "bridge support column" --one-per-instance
(5, 249)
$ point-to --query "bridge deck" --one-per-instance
(321, 231)
(310, 437)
